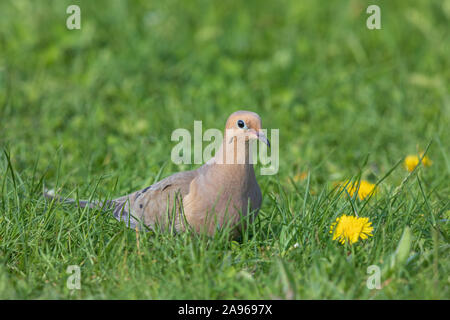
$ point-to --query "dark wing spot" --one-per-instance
(140, 206)
(166, 186)
(145, 190)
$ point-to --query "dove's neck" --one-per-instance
(234, 152)
(233, 160)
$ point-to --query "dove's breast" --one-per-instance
(219, 199)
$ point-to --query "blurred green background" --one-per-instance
(109, 95)
(79, 105)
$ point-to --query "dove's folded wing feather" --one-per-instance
(157, 205)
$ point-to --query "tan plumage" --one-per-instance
(210, 197)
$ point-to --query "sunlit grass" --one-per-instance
(90, 113)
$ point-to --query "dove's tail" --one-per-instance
(82, 203)
(118, 205)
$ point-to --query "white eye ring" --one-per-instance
(241, 124)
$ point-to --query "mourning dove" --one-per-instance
(213, 196)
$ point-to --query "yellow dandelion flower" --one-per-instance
(351, 229)
(365, 188)
(412, 161)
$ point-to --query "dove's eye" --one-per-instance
(241, 124)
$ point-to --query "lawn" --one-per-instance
(90, 113)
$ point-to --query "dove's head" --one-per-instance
(246, 125)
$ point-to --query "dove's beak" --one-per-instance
(261, 136)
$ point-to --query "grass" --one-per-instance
(91, 112)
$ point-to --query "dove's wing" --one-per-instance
(158, 205)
